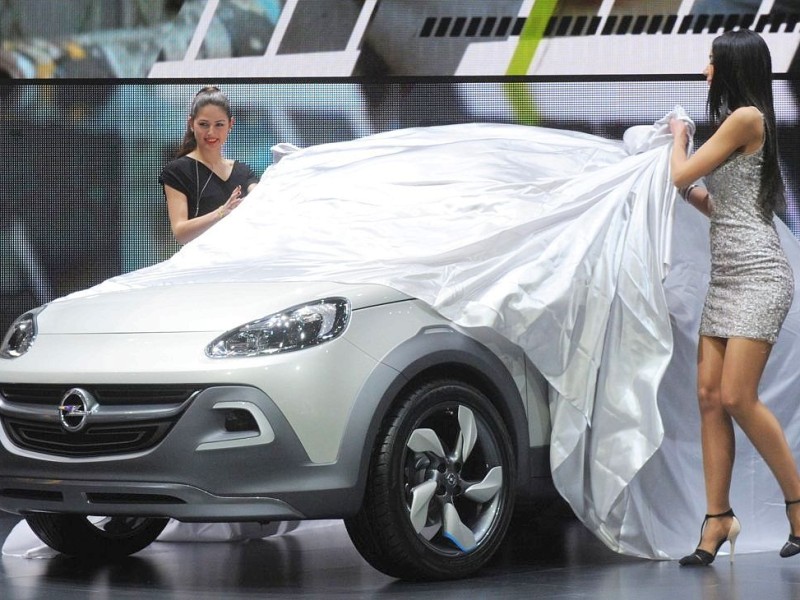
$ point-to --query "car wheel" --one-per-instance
(439, 493)
(95, 537)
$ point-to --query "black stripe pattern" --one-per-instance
(567, 25)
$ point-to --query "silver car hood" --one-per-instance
(194, 307)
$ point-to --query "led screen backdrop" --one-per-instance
(79, 195)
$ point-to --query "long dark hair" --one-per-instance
(207, 95)
(743, 77)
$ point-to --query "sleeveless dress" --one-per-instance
(751, 285)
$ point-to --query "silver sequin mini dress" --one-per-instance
(751, 283)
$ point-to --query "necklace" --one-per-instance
(197, 180)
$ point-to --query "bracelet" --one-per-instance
(686, 192)
(221, 213)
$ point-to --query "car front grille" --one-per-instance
(126, 419)
(106, 394)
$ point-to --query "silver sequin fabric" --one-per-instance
(751, 283)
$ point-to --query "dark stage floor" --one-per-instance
(547, 556)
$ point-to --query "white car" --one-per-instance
(268, 401)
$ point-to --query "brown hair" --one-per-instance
(207, 95)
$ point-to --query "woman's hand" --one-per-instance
(231, 203)
(680, 131)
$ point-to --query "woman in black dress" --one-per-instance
(201, 186)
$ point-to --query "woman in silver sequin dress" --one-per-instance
(751, 283)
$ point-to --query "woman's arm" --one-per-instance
(699, 197)
(743, 130)
(185, 229)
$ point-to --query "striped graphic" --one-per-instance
(407, 38)
(508, 37)
(566, 26)
(472, 26)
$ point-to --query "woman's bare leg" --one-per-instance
(743, 365)
(717, 438)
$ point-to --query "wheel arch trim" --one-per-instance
(433, 351)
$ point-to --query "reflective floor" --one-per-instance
(548, 555)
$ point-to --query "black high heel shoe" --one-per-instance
(792, 546)
(703, 558)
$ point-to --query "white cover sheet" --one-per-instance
(564, 243)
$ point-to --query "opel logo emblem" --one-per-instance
(75, 408)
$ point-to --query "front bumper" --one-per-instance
(182, 502)
(198, 472)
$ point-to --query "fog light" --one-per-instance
(238, 420)
(244, 424)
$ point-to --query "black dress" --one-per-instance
(205, 191)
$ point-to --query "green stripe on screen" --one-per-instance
(522, 103)
(531, 35)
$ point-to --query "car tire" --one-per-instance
(95, 537)
(440, 487)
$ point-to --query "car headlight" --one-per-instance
(295, 328)
(20, 335)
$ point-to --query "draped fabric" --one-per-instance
(570, 245)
